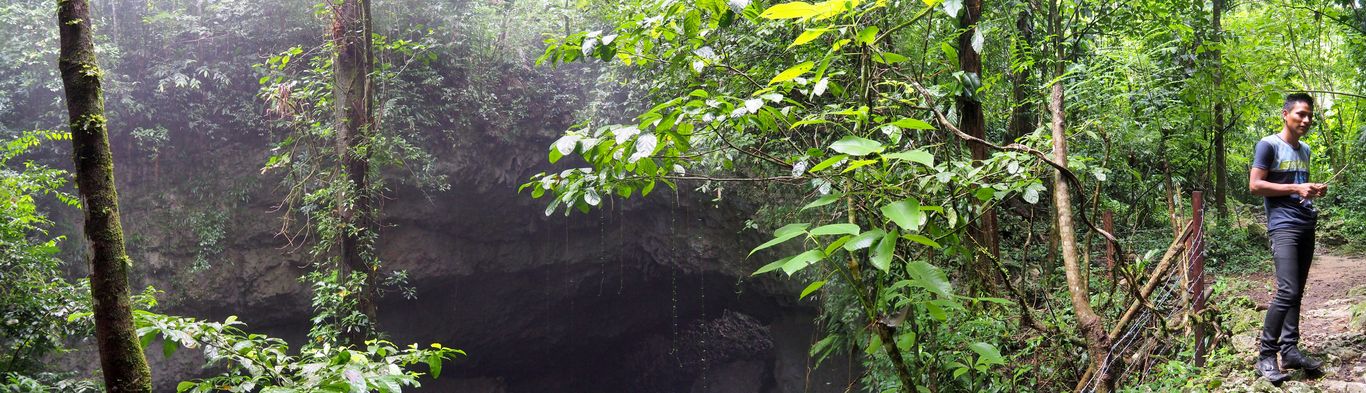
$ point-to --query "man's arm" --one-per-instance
(1257, 185)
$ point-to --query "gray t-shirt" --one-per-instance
(1285, 165)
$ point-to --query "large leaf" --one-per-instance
(917, 156)
(928, 276)
(989, 354)
(835, 229)
(882, 255)
(801, 261)
(787, 232)
(856, 146)
(914, 124)
(906, 214)
(808, 36)
(864, 240)
(793, 10)
(792, 72)
(822, 201)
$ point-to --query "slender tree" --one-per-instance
(121, 359)
(1089, 323)
(1220, 151)
(353, 98)
(972, 122)
(1023, 118)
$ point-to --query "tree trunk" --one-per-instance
(1023, 119)
(353, 100)
(121, 359)
(1089, 323)
(971, 121)
(1220, 151)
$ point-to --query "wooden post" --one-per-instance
(1108, 220)
(1195, 274)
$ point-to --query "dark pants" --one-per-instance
(1293, 251)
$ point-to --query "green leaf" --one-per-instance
(835, 229)
(906, 213)
(825, 200)
(985, 194)
(183, 386)
(936, 311)
(783, 234)
(792, 72)
(771, 266)
(922, 240)
(867, 35)
(168, 348)
(856, 146)
(882, 255)
(989, 354)
(889, 58)
(917, 156)
(928, 276)
(801, 261)
(835, 159)
(434, 364)
(864, 240)
(913, 124)
(811, 288)
(858, 164)
(808, 36)
(793, 10)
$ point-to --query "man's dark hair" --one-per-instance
(1292, 98)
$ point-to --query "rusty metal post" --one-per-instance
(1195, 274)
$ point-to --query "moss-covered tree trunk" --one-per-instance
(353, 99)
(121, 359)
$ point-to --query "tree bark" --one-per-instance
(1220, 151)
(121, 358)
(1089, 323)
(1023, 118)
(972, 122)
(354, 110)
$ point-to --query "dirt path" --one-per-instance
(1325, 322)
(1327, 296)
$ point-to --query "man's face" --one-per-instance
(1299, 118)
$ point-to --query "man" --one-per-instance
(1280, 172)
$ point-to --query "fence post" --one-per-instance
(1108, 220)
(1195, 274)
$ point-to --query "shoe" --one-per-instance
(1267, 368)
(1294, 359)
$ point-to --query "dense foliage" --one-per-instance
(841, 115)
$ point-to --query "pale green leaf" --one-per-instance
(793, 10)
(856, 146)
(792, 72)
(906, 213)
(825, 200)
(801, 261)
(917, 156)
(808, 36)
(882, 254)
(864, 240)
(835, 229)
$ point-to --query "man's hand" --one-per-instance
(1311, 190)
(1319, 189)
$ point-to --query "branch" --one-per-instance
(1062, 170)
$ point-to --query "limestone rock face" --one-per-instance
(648, 294)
